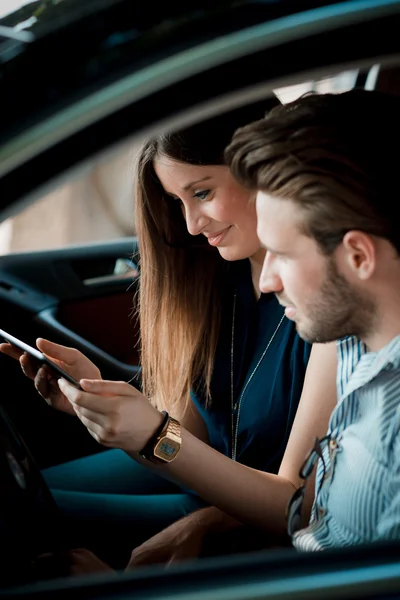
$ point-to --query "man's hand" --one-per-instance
(181, 540)
(78, 561)
(83, 562)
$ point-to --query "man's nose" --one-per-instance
(270, 281)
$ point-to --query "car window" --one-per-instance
(98, 206)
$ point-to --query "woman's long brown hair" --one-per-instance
(180, 275)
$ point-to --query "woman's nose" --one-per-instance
(195, 220)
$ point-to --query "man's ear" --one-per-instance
(360, 253)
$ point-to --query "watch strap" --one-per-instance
(147, 451)
(174, 427)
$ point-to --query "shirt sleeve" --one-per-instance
(389, 523)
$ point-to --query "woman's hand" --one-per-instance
(69, 359)
(180, 541)
(115, 413)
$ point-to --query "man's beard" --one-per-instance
(338, 311)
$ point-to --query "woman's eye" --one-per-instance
(202, 195)
(174, 198)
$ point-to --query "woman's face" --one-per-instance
(213, 205)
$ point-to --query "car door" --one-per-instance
(80, 296)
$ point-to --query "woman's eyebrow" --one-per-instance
(192, 183)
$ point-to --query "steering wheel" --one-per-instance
(30, 521)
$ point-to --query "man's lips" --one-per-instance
(290, 310)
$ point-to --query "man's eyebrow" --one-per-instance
(192, 183)
(273, 251)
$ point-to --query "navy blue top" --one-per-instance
(270, 400)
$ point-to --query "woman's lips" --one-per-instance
(215, 240)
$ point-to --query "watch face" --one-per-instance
(166, 449)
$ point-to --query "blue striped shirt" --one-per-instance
(359, 498)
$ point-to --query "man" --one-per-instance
(326, 179)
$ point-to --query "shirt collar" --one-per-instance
(371, 364)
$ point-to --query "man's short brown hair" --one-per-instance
(335, 155)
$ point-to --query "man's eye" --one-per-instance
(202, 195)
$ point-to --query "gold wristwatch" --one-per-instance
(165, 444)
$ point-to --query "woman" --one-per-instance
(217, 354)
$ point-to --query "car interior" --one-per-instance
(84, 295)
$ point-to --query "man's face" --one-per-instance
(323, 304)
